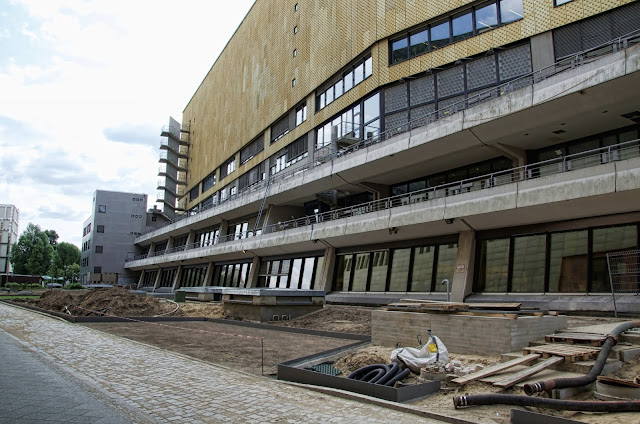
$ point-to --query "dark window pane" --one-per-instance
(419, 43)
(462, 27)
(439, 35)
(360, 273)
(494, 266)
(568, 262)
(422, 269)
(399, 50)
(447, 254)
(511, 10)
(486, 17)
(528, 264)
(609, 240)
(343, 271)
(399, 270)
(379, 271)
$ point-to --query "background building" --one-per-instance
(107, 237)
(374, 149)
(9, 219)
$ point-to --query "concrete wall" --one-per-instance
(460, 333)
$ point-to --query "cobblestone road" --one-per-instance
(168, 387)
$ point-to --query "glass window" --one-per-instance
(360, 272)
(284, 274)
(417, 185)
(379, 271)
(511, 10)
(568, 262)
(372, 129)
(372, 108)
(100, 228)
(609, 240)
(343, 273)
(368, 67)
(338, 89)
(486, 17)
(273, 274)
(439, 35)
(356, 121)
(307, 274)
(323, 100)
(295, 274)
(561, 2)
(447, 254)
(358, 74)
(528, 264)
(462, 26)
(348, 81)
(399, 270)
(399, 50)
(329, 95)
(419, 43)
(422, 268)
(102, 208)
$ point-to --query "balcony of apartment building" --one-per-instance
(173, 159)
(176, 132)
(575, 100)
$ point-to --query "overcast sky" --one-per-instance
(85, 88)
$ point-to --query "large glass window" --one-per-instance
(379, 271)
(422, 272)
(512, 10)
(528, 264)
(399, 270)
(399, 50)
(447, 254)
(462, 26)
(372, 108)
(419, 43)
(494, 266)
(360, 272)
(568, 262)
(609, 240)
(439, 34)
(348, 81)
(358, 74)
(486, 17)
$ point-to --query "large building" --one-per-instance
(9, 219)
(375, 149)
(108, 234)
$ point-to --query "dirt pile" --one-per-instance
(207, 310)
(343, 319)
(363, 357)
(114, 301)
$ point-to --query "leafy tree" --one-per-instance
(33, 252)
(53, 237)
(72, 273)
(64, 255)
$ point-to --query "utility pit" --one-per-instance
(265, 304)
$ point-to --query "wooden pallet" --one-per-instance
(570, 353)
(577, 338)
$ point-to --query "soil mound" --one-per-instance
(341, 319)
(114, 301)
(367, 356)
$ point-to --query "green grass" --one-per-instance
(10, 297)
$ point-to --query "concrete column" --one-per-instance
(176, 279)
(157, 283)
(208, 275)
(170, 243)
(252, 281)
(224, 228)
(542, 53)
(325, 280)
(462, 283)
(191, 238)
(152, 249)
(140, 279)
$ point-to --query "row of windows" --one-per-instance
(86, 230)
(192, 276)
(298, 273)
(231, 275)
(293, 153)
(354, 76)
(149, 278)
(555, 262)
(411, 269)
(472, 21)
(362, 120)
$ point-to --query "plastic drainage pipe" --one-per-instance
(393, 370)
(361, 372)
(566, 405)
(381, 374)
(398, 377)
(590, 377)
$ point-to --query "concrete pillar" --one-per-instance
(224, 228)
(140, 279)
(157, 283)
(191, 238)
(152, 249)
(176, 279)
(462, 283)
(252, 281)
(170, 243)
(208, 275)
(325, 282)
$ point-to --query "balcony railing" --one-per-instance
(627, 150)
(562, 65)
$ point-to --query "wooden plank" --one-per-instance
(496, 368)
(501, 306)
(569, 352)
(524, 374)
(593, 339)
(495, 314)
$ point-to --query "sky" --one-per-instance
(85, 88)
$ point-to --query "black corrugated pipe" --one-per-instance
(381, 374)
(561, 383)
(564, 405)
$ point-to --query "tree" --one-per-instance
(64, 255)
(72, 273)
(33, 252)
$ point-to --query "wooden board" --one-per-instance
(526, 373)
(496, 369)
(571, 353)
(460, 305)
(573, 338)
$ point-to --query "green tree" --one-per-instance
(64, 255)
(33, 252)
(72, 273)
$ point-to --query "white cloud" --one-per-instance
(83, 114)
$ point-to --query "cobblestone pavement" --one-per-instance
(34, 392)
(168, 387)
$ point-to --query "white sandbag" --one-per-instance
(415, 358)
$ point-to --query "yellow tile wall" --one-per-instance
(249, 86)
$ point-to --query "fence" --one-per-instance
(624, 273)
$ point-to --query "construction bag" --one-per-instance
(415, 358)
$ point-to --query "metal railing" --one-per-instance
(545, 168)
(563, 64)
